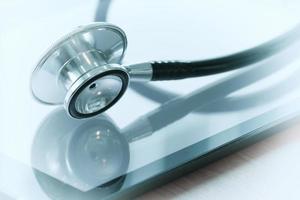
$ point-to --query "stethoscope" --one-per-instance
(103, 147)
(83, 71)
(100, 143)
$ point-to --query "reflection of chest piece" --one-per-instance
(82, 71)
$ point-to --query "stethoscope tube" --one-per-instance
(88, 77)
(174, 70)
(180, 70)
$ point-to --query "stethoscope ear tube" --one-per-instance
(180, 70)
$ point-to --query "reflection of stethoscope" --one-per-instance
(83, 71)
(91, 155)
(62, 144)
(85, 153)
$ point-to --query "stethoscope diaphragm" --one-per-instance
(82, 70)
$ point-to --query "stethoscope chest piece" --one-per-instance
(82, 70)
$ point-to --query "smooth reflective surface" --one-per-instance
(156, 127)
(76, 53)
(98, 94)
(82, 153)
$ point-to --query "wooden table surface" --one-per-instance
(269, 169)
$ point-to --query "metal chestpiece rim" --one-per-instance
(88, 79)
(85, 55)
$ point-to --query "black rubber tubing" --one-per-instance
(181, 70)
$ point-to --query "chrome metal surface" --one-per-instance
(79, 65)
(82, 80)
(140, 71)
(84, 49)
